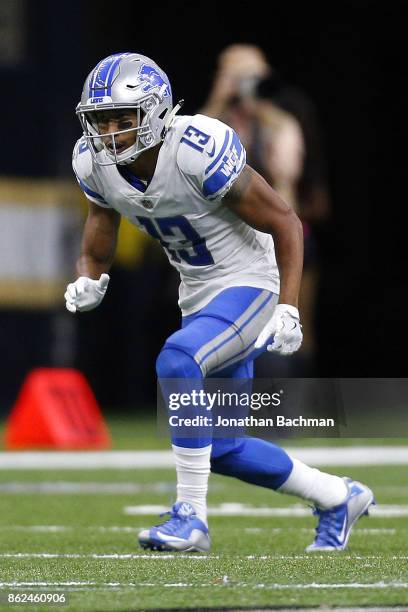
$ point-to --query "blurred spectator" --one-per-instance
(278, 127)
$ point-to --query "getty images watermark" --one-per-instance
(221, 400)
(235, 407)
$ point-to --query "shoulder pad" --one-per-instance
(201, 139)
(82, 160)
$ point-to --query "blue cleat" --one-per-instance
(335, 524)
(182, 532)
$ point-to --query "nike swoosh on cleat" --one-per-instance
(343, 530)
(169, 538)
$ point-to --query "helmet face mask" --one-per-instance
(126, 81)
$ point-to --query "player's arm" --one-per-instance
(98, 248)
(256, 203)
(99, 241)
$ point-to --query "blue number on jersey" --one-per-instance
(153, 232)
(201, 257)
(195, 138)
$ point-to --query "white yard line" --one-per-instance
(61, 528)
(222, 583)
(114, 556)
(344, 456)
(238, 509)
(193, 557)
(136, 529)
(357, 530)
(73, 488)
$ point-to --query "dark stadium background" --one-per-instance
(348, 57)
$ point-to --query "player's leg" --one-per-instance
(339, 502)
(217, 333)
(265, 464)
(250, 459)
(186, 529)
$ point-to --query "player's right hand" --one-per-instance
(85, 293)
(285, 328)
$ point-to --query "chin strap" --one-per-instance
(170, 118)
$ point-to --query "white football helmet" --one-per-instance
(126, 81)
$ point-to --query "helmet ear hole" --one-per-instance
(147, 140)
(148, 105)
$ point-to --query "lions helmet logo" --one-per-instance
(150, 79)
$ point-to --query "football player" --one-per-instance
(238, 248)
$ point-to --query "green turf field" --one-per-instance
(67, 531)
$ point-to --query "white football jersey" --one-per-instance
(182, 207)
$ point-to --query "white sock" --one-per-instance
(324, 490)
(193, 470)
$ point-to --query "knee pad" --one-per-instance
(175, 363)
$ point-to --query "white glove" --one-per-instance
(285, 326)
(85, 293)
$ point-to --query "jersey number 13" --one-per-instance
(199, 255)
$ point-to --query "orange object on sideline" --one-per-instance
(56, 408)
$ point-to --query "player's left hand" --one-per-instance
(86, 293)
(285, 327)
